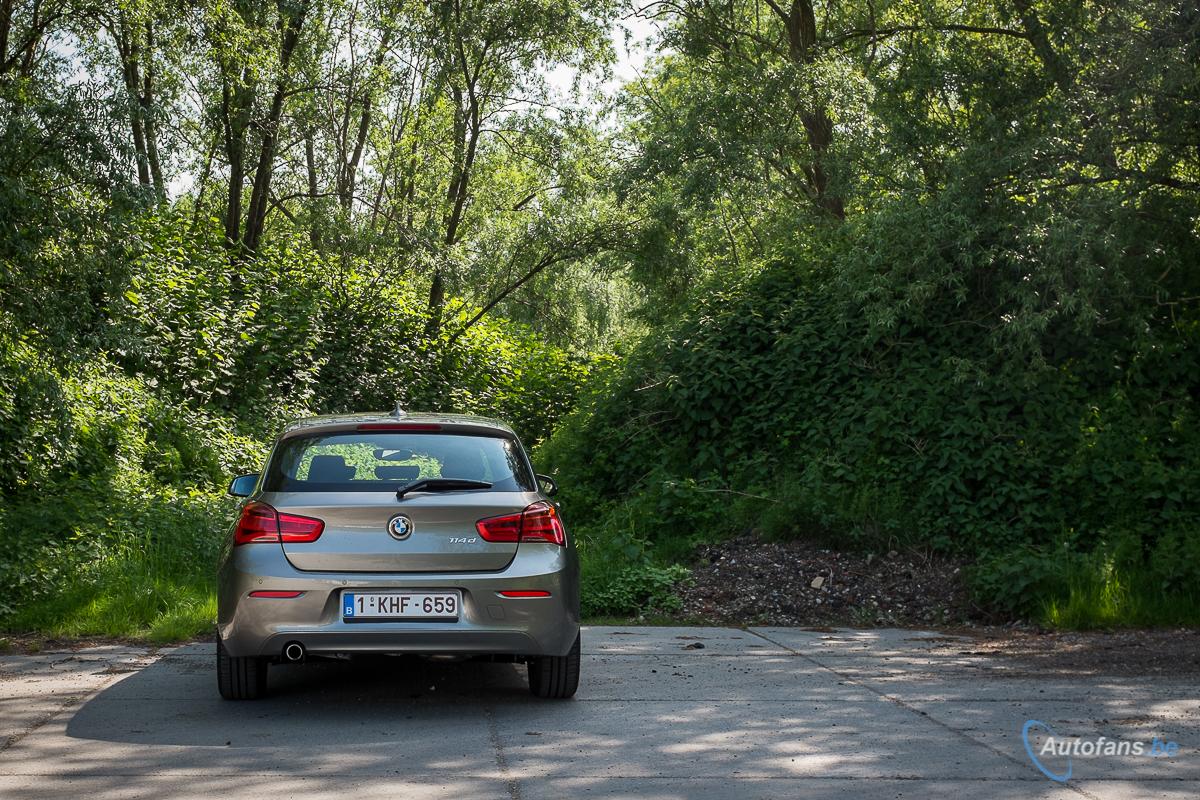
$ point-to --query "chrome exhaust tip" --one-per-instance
(293, 651)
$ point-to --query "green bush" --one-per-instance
(113, 463)
(621, 578)
(108, 561)
(294, 332)
(112, 524)
(1111, 586)
(636, 589)
(808, 408)
(1018, 582)
(34, 427)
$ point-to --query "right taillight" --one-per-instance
(262, 523)
(541, 523)
(537, 523)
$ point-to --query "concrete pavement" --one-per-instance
(661, 713)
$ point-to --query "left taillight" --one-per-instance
(539, 522)
(262, 523)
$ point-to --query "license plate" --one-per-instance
(360, 606)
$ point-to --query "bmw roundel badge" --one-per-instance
(400, 527)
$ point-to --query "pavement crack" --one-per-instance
(40, 721)
(900, 703)
(510, 780)
(76, 698)
(70, 700)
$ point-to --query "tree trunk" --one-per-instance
(24, 50)
(456, 167)
(348, 175)
(6, 10)
(437, 298)
(409, 187)
(437, 286)
(290, 25)
(819, 128)
(310, 163)
(235, 113)
(129, 50)
(149, 125)
(466, 141)
(349, 172)
(1036, 32)
(800, 21)
(202, 183)
(462, 189)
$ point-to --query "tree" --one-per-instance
(246, 64)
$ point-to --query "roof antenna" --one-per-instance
(399, 413)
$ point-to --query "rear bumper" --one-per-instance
(438, 640)
(488, 624)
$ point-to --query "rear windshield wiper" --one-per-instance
(440, 485)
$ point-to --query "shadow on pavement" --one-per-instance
(175, 702)
(662, 713)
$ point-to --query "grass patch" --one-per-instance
(1098, 594)
(155, 609)
(135, 562)
(1114, 587)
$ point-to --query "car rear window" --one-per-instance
(385, 461)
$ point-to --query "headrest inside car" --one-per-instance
(330, 469)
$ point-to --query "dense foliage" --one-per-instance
(216, 217)
(943, 294)
(114, 462)
(891, 274)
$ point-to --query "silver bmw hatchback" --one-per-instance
(404, 534)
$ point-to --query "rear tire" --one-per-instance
(240, 678)
(555, 677)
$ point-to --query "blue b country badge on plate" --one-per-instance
(347, 605)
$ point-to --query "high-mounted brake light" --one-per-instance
(398, 426)
(262, 523)
(537, 523)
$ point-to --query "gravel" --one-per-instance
(749, 581)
